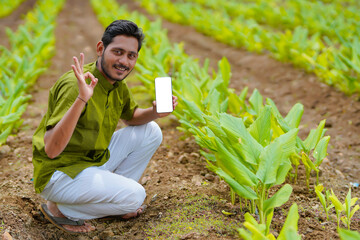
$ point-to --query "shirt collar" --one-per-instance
(102, 80)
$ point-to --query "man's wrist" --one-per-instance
(81, 99)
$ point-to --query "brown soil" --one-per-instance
(177, 173)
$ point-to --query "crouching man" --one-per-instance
(82, 166)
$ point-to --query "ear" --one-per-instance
(100, 48)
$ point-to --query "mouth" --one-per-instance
(121, 68)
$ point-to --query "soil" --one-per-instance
(177, 178)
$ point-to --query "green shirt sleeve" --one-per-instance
(61, 98)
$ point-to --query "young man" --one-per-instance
(82, 167)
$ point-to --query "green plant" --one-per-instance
(8, 6)
(346, 207)
(348, 234)
(324, 199)
(31, 47)
(258, 231)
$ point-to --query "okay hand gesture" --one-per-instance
(85, 90)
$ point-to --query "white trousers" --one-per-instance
(111, 189)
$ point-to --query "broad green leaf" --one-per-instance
(256, 102)
(293, 118)
(353, 201)
(290, 227)
(208, 156)
(278, 199)
(246, 235)
(213, 101)
(193, 90)
(276, 130)
(335, 201)
(250, 219)
(242, 191)
(214, 124)
(354, 210)
(225, 69)
(235, 168)
(269, 218)
(321, 150)
(274, 155)
(235, 103)
(235, 129)
(260, 129)
(282, 172)
(314, 136)
(224, 105)
(194, 110)
(256, 233)
(275, 112)
(348, 234)
(307, 162)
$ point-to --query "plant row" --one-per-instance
(335, 64)
(8, 6)
(254, 148)
(328, 20)
(31, 47)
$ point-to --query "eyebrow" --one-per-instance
(121, 49)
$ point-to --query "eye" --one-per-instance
(132, 56)
(117, 52)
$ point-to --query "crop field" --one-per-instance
(265, 140)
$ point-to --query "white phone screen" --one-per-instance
(163, 93)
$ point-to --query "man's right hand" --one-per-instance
(57, 138)
(85, 90)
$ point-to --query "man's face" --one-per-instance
(119, 57)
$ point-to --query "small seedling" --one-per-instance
(346, 207)
(324, 199)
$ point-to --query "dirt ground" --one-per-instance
(184, 199)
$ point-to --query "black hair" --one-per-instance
(122, 27)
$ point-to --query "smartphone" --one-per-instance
(163, 94)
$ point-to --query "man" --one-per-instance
(82, 167)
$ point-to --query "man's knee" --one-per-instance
(137, 196)
(155, 133)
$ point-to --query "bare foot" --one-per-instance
(133, 214)
(56, 212)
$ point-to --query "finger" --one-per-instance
(82, 62)
(77, 65)
(76, 72)
(94, 80)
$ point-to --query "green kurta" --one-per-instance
(89, 143)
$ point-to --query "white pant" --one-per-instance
(111, 189)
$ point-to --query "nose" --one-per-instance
(123, 60)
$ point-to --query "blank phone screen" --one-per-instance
(163, 93)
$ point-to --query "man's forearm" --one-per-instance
(57, 138)
(142, 116)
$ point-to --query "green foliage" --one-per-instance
(252, 151)
(8, 6)
(256, 231)
(31, 47)
(324, 199)
(345, 207)
(348, 234)
(309, 34)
